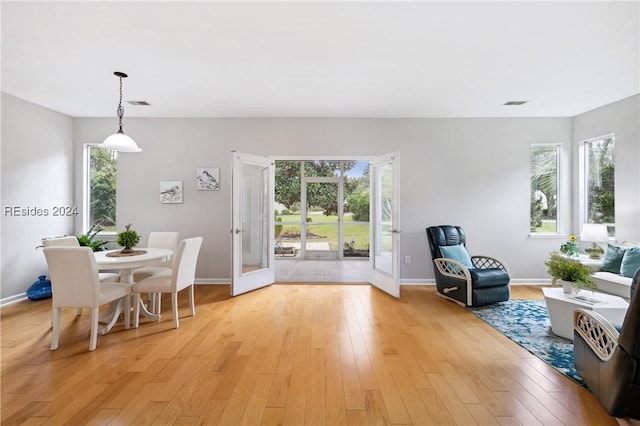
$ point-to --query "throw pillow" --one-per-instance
(458, 253)
(613, 259)
(630, 262)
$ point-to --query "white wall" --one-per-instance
(472, 172)
(621, 118)
(37, 172)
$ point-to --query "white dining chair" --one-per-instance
(71, 241)
(168, 240)
(181, 276)
(75, 284)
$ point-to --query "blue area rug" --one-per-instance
(526, 322)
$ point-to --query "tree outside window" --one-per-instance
(544, 189)
(288, 177)
(101, 203)
(599, 167)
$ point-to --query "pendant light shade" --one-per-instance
(119, 141)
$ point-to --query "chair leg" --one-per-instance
(127, 311)
(151, 298)
(157, 299)
(174, 307)
(93, 341)
(191, 302)
(136, 310)
(55, 335)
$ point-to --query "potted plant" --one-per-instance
(569, 271)
(89, 241)
(127, 239)
(570, 247)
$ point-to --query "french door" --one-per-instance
(385, 228)
(252, 223)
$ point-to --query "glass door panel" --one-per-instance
(384, 222)
(254, 240)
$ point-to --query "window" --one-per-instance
(598, 184)
(544, 189)
(100, 169)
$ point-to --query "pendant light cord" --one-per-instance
(120, 111)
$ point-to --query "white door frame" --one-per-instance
(252, 212)
(385, 269)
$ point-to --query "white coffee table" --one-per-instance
(561, 307)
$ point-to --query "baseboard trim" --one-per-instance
(226, 281)
(13, 299)
(431, 281)
(417, 281)
(213, 281)
(404, 281)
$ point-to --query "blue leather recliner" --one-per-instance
(467, 280)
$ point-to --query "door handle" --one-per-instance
(396, 231)
(239, 230)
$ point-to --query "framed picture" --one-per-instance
(170, 191)
(208, 178)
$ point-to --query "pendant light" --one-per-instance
(119, 141)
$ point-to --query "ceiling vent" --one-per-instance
(510, 103)
(143, 103)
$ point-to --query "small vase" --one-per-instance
(568, 288)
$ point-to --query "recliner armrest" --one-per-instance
(452, 268)
(597, 332)
(485, 262)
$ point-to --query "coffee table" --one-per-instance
(561, 306)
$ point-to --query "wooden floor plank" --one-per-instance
(451, 401)
(336, 413)
(285, 354)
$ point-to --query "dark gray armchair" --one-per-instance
(471, 281)
(608, 360)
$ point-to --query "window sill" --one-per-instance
(547, 236)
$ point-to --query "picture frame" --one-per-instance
(170, 191)
(208, 178)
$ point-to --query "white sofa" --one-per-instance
(609, 282)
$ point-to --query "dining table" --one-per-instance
(115, 260)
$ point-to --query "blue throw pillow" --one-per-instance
(458, 253)
(613, 259)
(630, 262)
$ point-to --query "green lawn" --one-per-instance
(328, 232)
(548, 226)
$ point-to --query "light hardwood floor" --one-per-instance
(287, 354)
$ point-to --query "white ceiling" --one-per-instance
(322, 59)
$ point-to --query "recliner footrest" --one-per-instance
(490, 277)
